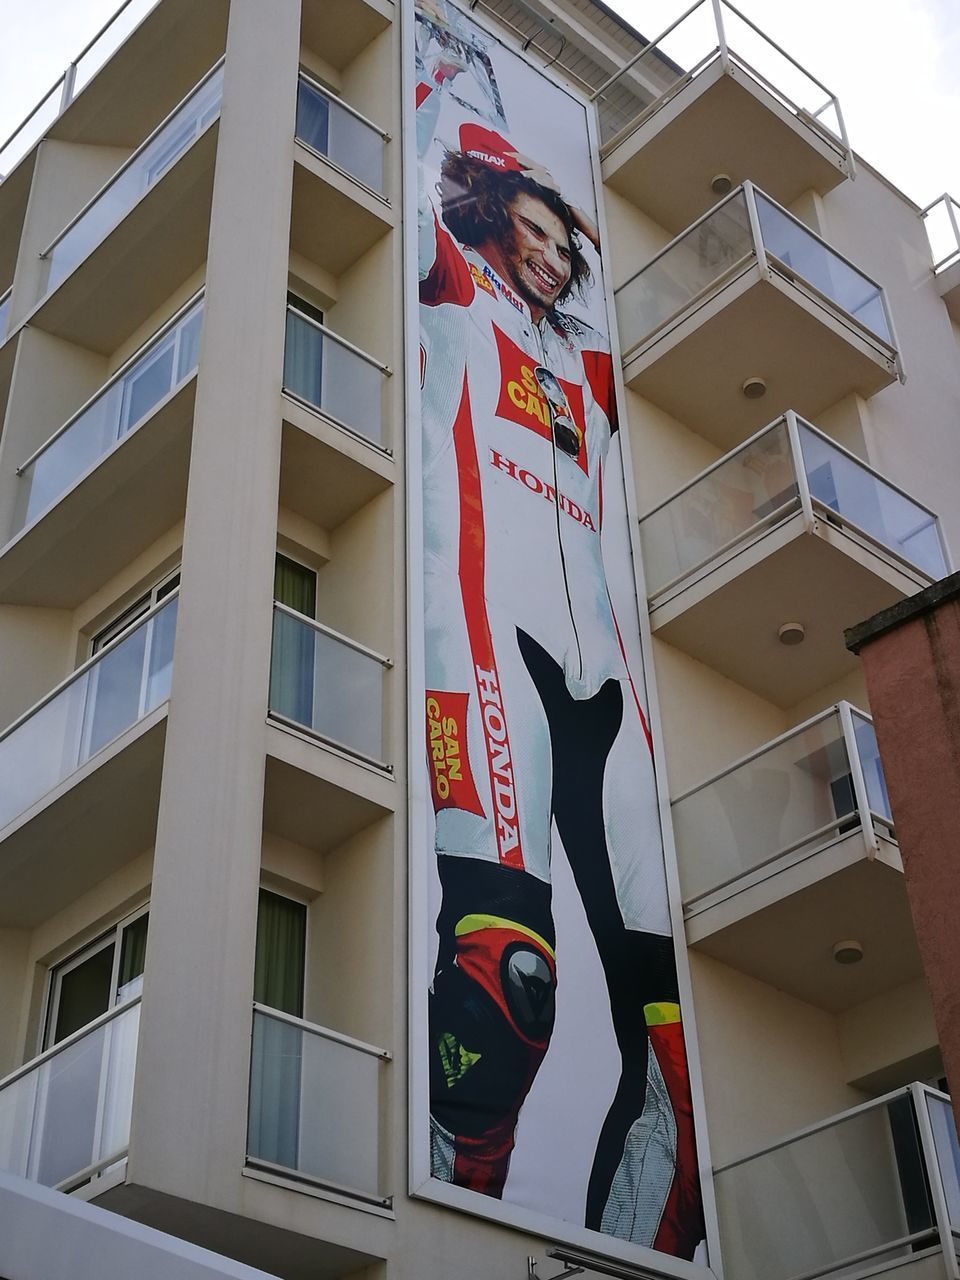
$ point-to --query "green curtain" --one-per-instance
(292, 663)
(303, 359)
(133, 950)
(275, 1068)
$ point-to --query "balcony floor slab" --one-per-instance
(327, 474)
(335, 220)
(722, 122)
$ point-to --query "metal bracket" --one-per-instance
(561, 1275)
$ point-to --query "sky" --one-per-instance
(894, 65)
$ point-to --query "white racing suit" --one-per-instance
(532, 717)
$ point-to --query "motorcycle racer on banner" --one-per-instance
(532, 717)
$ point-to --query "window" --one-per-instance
(98, 977)
(281, 953)
(303, 351)
(292, 664)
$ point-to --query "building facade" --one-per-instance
(216, 922)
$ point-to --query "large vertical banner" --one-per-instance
(558, 1076)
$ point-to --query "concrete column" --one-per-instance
(911, 658)
(190, 1103)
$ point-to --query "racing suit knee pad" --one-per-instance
(491, 1016)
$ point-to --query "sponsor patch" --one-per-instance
(451, 779)
(534, 484)
(481, 280)
(522, 401)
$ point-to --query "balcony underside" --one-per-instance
(326, 474)
(293, 1250)
(341, 29)
(782, 931)
(729, 619)
(159, 244)
(161, 61)
(14, 194)
(755, 327)
(319, 798)
(133, 496)
(335, 220)
(101, 817)
(722, 122)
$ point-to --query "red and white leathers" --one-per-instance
(514, 544)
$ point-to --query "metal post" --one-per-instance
(69, 81)
(861, 797)
(721, 35)
(800, 471)
(952, 215)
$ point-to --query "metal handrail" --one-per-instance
(90, 662)
(67, 1041)
(779, 740)
(950, 205)
(819, 1126)
(113, 379)
(334, 635)
(341, 341)
(325, 1033)
(132, 158)
(342, 102)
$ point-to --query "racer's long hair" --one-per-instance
(475, 203)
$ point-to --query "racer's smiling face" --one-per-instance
(535, 258)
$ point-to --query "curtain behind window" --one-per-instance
(303, 358)
(293, 659)
(274, 1121)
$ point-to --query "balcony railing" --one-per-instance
(136, 176)
(107, 695)
(123, 404)
(942, 220)
(327, 684)
(852, 1195)
(78, 74)
(710, 32)
(65, 1116)
(330, 374)
(792, 797)
(744, 229)
(332, 128)
(316, 1102)
(5, 313)
(787, 468)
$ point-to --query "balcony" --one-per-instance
(789, 528)
(85, 761)
(112, 479)
(796, 842)
(713, 96)
(865, 1191)
(340, 207)
(324, 688)
(331, 375)
(316, 1106)
(749, 297)
(140, 235)
(65, 1116)
(942, 220)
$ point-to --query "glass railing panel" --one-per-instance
(329, 128)
(693, 43)
(815, 1205)
(322, 682)
(72, 1110)
(315, 1104)
(4, 314)
(335, 379)
(686, 270)
(145, 168)
(848, 487)
(872, 766)
(947, 1148)
(747, 492)
(845, 485)
(802, 253)
(790, 799)
(122, 405)
(108, 696)
(942, 221)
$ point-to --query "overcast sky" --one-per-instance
(894, 65)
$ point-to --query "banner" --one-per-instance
(558, 1077)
